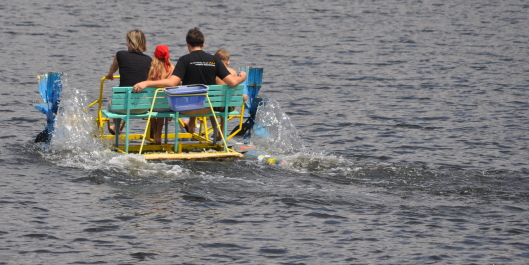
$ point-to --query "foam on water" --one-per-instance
(75, 142)
(276, 134)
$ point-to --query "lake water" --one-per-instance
(412, 146)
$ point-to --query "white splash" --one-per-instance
(75, 142)
(273, 130)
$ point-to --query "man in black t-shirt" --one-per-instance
(197, 67)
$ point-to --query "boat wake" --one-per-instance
(274, 140)
(275, 134)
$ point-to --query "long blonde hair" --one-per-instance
(137, 40)
(158, 70)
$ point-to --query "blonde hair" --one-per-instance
(223, 55)
(137, 40)
(158, 71)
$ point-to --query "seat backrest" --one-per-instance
(142, 100)
(225, 96)
(219, 95)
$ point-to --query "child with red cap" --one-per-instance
(161, 68)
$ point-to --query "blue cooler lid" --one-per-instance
(188, 89)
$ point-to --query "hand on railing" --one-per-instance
(110, 77)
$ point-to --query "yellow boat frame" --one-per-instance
(165, 151)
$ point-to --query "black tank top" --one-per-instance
(133, 67)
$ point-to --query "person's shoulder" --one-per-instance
(232, 71)
(186, 57)
(132, 53)
(202, 53)
(140, 53)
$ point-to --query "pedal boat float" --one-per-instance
(175, 145)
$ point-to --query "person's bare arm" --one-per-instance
(219, 81)
(172, 80)
(233, 80)
(113, 68)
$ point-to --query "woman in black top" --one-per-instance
(133, 65)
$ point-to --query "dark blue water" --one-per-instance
(412, 118)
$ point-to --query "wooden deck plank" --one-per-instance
(191, 156)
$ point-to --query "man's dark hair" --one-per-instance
(195, 37)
